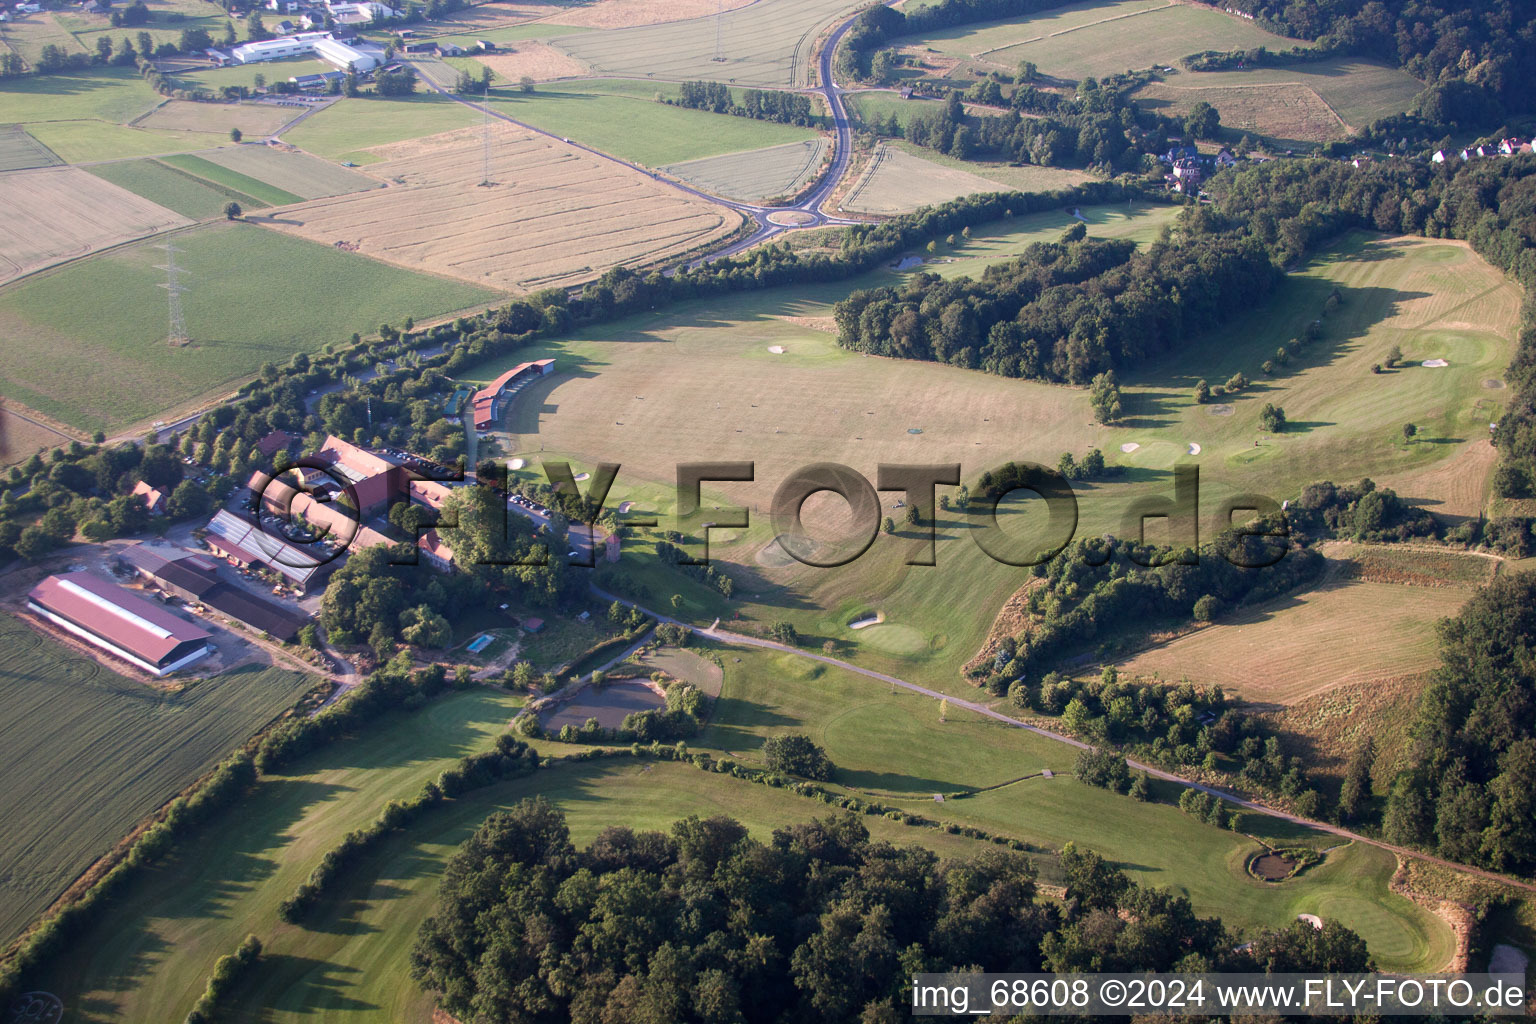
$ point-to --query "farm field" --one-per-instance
(757, 174)
(167, 20)
(87, 753)
(763, 45)
(28, 36)
(253, 119)
(59, 213)
(1294, 648)
(1308, 103)
(175, 189)
(232, 272)
(536, 60)
(347, 129)
(875, 105)
(556, 215)
(79, 142)
(246, 74)
(23, 438)
(298, 174)
(898, 180)
(116, 95)
(980, 37)
(20, 151)
(1064, 45)
(225, 177)
(231, 879)
(640, 130)
(815, 402)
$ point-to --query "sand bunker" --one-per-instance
(1129, 447)
(583, 476)
(625, 506)
(867, 620)
(1435, 363)
(1194, 449)
(516, 464)
(1311, 919)
(777, 350)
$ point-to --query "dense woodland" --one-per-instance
(705, 924)
(1470, 790)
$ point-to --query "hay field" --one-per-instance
(172, 187)
(87, 753)
(1310, 103)
(297, 173)
(763, 45)
(711, 384)
(20, 151)
(977, 38)
(351, 128)
(253, 119)
(622, 120)
(629, 13)
(898, 180)
(1131, 40)
(78, 142)
(1297, 647)
(252, 296)
(58, 213)
(555, 216)
(224, 177)
(20, 439)
(758, 174)
(538, 61)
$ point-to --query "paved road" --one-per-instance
(714, 632)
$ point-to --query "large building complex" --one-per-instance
(195, 580)
(343, 56)
(119, 622)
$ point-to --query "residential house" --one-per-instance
(154, 500)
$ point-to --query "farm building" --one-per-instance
(119, 622)
(195, 580)
(377, 481)
(431, 493)
(243, 543)
(327, 47)
(340, 525)
(361, 13)
(276, 441)
(490, 401)
(154, 499)
(438, 554)
(320, 81)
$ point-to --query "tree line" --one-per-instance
(820, 923)
(759, 104)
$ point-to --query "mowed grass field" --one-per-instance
(83, 116)
(641, 130)
(348, 129)
(656, 390)
(763, 45)
(901, 178)
(757, 174)
(58, 213)
(172, 187)
(1296, 647)
(105, 363)
(554, 215)
(1309, 103)
(350, 962)
(19, 151)
(1093, 40)
(87, 753)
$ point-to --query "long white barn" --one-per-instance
(343, 56)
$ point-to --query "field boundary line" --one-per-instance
(1076, 28)
(164, 102)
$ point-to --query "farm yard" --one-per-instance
(60, 213)
(1309, 103)
(230, 271)
(554, 215)
(87, 753)
(757, 174)
(817, 402)
(763, 45)
(611, 117)
(898, 180)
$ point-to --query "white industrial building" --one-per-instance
(343, 56)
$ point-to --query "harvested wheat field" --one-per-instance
(555, 215)
(58, 213)
(538, 61)
(1298, 646)
(625, 13)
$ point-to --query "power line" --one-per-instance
(173, 287)
(719, 17)
(485, 131)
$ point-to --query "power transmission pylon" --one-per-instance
(173, 287)
(485, 130)
(719, 46)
